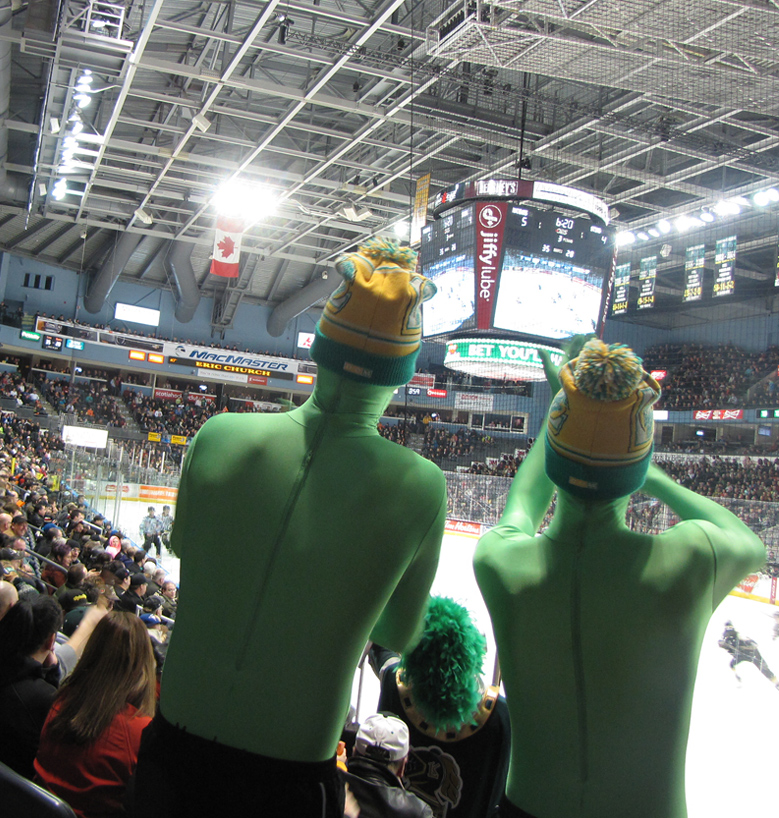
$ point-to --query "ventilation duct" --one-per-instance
(105, 278)
(300, 302)
(10, 187)
(178, 263)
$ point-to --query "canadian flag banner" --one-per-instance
(227, 247)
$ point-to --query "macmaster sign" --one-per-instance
(226, 356)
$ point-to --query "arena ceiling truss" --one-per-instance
(661, 107)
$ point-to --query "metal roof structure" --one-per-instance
(661, 107)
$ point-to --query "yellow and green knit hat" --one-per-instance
(600, 428)
(371, 327)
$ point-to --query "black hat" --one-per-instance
(151, 603)
(138, 579)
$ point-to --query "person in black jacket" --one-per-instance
(459, 728)
(375, 771)
(27, 636)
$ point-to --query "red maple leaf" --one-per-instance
(227, 246)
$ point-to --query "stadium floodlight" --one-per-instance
(401, 229)
(625, 237)
(664, 226)
(761, 198)
(250, 202)
(642, 235)
(707, 216)
(727, 207)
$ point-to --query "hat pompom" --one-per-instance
(380, 250)
(607, 373)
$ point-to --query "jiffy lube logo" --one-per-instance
(491, 219)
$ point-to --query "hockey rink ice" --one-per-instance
(731, 755)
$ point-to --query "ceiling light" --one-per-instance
(54, 125)
(655, 234)
(625, 237)
(201, 122)
(727, 207)
(244, 200)
(685, 223)
(60, 189)
(761, 198)
(707, 216)
(401, 229)
(77, 127)
(664, 226)
(41, 189)
(143, 216)
(82, 100)
(642, 235)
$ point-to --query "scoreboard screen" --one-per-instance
(447, 258)
(515, 267)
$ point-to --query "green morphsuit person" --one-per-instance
(599, 627)
(334, 534)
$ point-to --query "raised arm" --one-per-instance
(400, 625)
(531, 490)
(738, 549)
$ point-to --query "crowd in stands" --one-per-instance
(396, 432)
(153, 334)
(90, 402)
(82, 609)
(441, 445)
(738, 478)
(711, 376)
(14, 387)
(173, 417)
(449, 379)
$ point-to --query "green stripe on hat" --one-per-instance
(595, 483)
(361, 366)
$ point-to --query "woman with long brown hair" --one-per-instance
(90, 741)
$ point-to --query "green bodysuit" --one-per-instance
(301, 536)
(599, 630)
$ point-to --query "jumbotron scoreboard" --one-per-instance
(517, 259)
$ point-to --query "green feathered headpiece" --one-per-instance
(444, 669)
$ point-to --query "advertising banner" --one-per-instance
(419, 216)
(473, 401)
(718, 414)
(490, 226)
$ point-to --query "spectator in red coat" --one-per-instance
(89, 745)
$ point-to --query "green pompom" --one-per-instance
(607, 373)
(380, 250)
(444, 669)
